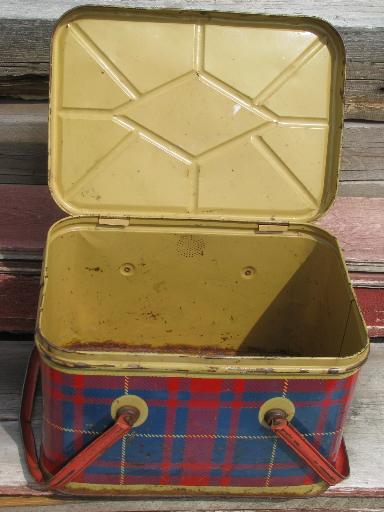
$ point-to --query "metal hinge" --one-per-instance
(268, 228)
(110, 221)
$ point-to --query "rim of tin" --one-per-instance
(155, 363)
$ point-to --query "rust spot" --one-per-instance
(115, 346)
(151, 314)
(207, 351)
(93, 269)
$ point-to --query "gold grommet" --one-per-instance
(279, 402)
(248, 273)
(127, 269)
(131, 401)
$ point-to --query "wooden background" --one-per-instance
(25, 29)
(27, 210)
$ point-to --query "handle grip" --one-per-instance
(332, 474)
(125, 419)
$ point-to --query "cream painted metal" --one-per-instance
(195, 116)
(190, 149)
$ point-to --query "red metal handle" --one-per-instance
(126, 418)
(332, 474)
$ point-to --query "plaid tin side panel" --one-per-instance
(199, 432)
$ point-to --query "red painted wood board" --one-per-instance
(371, 302)
(358, 224)
(27, 211)
(18, 302)
(369, 289)
(20, 284)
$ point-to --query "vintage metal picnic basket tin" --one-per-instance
(195, 333)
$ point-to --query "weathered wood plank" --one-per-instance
(363, 147)
(371, 302)
(24, 503)
(321, 504)
(26, 213)
(24, 43)
(16, 503)
(358, 224)
(13, 362)
(370, 176)
(24, 135)
(368, 279)
(23, 143)
(363, 434)
(24, 123)
(364, 99)
(18, 302)
(20, 286)
(24, 163)
(342, 13)
(361, 188)
(369, 289)
(364, 93)
(23, 231)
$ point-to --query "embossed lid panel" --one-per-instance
(185, 115)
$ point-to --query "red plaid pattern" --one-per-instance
(199, 432)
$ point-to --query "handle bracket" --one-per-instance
(277, 420)
(126, 417)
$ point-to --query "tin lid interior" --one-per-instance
(199, 116)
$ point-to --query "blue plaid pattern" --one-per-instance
(199, 432)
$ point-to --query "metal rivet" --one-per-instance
(278, 406)
(248, 272)
(123, 402)
(127, 269)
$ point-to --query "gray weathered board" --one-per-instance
(23, 150)
(364, 434)
(26, 25)
(25, 29)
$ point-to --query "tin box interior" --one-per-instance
(191, 150)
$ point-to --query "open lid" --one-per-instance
(195, 115)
